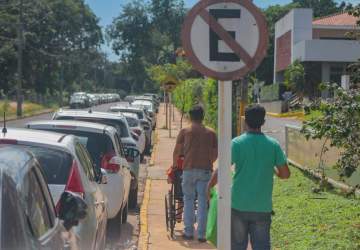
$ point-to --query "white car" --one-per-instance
(149, 106)
(144, 121)
(68, 167)
(106, 150)
(127, 137)
(134, 124)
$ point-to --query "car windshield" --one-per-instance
(118, 124)
(97, 144)
(55, 163)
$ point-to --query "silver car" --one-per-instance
(67, 166)
(128, 139)
(106, 151)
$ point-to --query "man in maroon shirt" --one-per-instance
(198, 145)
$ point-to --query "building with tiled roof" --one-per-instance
(323, 45)
(338, 19)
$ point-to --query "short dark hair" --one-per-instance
(197, 113)
(255, 116)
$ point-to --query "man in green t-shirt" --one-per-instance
(256, 158)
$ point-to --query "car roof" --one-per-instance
(132, 115)
(90, 114)
(36, 137)
(130, 108)
(73, 125)
(15, 161)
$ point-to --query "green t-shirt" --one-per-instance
(255, 155)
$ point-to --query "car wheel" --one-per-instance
(133, 198)
(125, 214)
(114, 225)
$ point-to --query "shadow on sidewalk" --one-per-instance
(189, 244)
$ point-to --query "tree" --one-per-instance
(295, 77)
(339, 124)
(321, 8)
(61, 38)
(354, 68)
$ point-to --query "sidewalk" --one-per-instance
(153, 210)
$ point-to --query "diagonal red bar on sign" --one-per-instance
(224, 35)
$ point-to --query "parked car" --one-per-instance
(28, 216)
(129, 98)
(145, 122)
(127, 138)
(134, 125)
(68, 167)
(106, 150)
(79, 100)
(149, 106)
(150, 98)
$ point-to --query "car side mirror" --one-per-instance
(71, 209)
(103, 178)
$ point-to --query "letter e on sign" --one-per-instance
(225, 39)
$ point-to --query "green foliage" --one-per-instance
(180, 71)
(295, 77)
(339, 123)
(321, 7)
(145, 34)
(62, 40)
(210, 101)
(270, 92)
(305, 220)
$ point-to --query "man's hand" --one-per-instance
(283, 172)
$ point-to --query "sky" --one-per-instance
(106, 10)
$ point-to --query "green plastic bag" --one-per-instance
(211, 226)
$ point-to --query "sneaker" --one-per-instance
(185, 237)
(201, 240)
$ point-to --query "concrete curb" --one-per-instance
(144, 228)
(152, 159)
(286, 115)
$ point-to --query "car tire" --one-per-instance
(133, 198)
(125, 212)
(114, 225)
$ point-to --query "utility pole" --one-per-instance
(20, 60)
(243, 102)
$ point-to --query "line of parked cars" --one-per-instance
(86, 100)
(68, 180)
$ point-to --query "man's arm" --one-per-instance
(214, 151)
(283, 172)
(176, 154)
(178, 148)
(213, 181)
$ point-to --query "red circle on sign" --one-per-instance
(250, 65)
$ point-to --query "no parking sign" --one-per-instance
(225, 39)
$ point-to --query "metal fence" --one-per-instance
(306, 154)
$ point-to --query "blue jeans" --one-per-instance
(253, 224)
(194, 185)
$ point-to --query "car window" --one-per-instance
(96, 144)
(85, 161)
(36, 206)
(56, 164)
(11, 214)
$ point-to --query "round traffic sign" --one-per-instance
(225, 39)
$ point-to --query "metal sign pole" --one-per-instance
(224, 178)
(170, 115)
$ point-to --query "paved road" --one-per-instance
(130, 231)
(275, 127)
